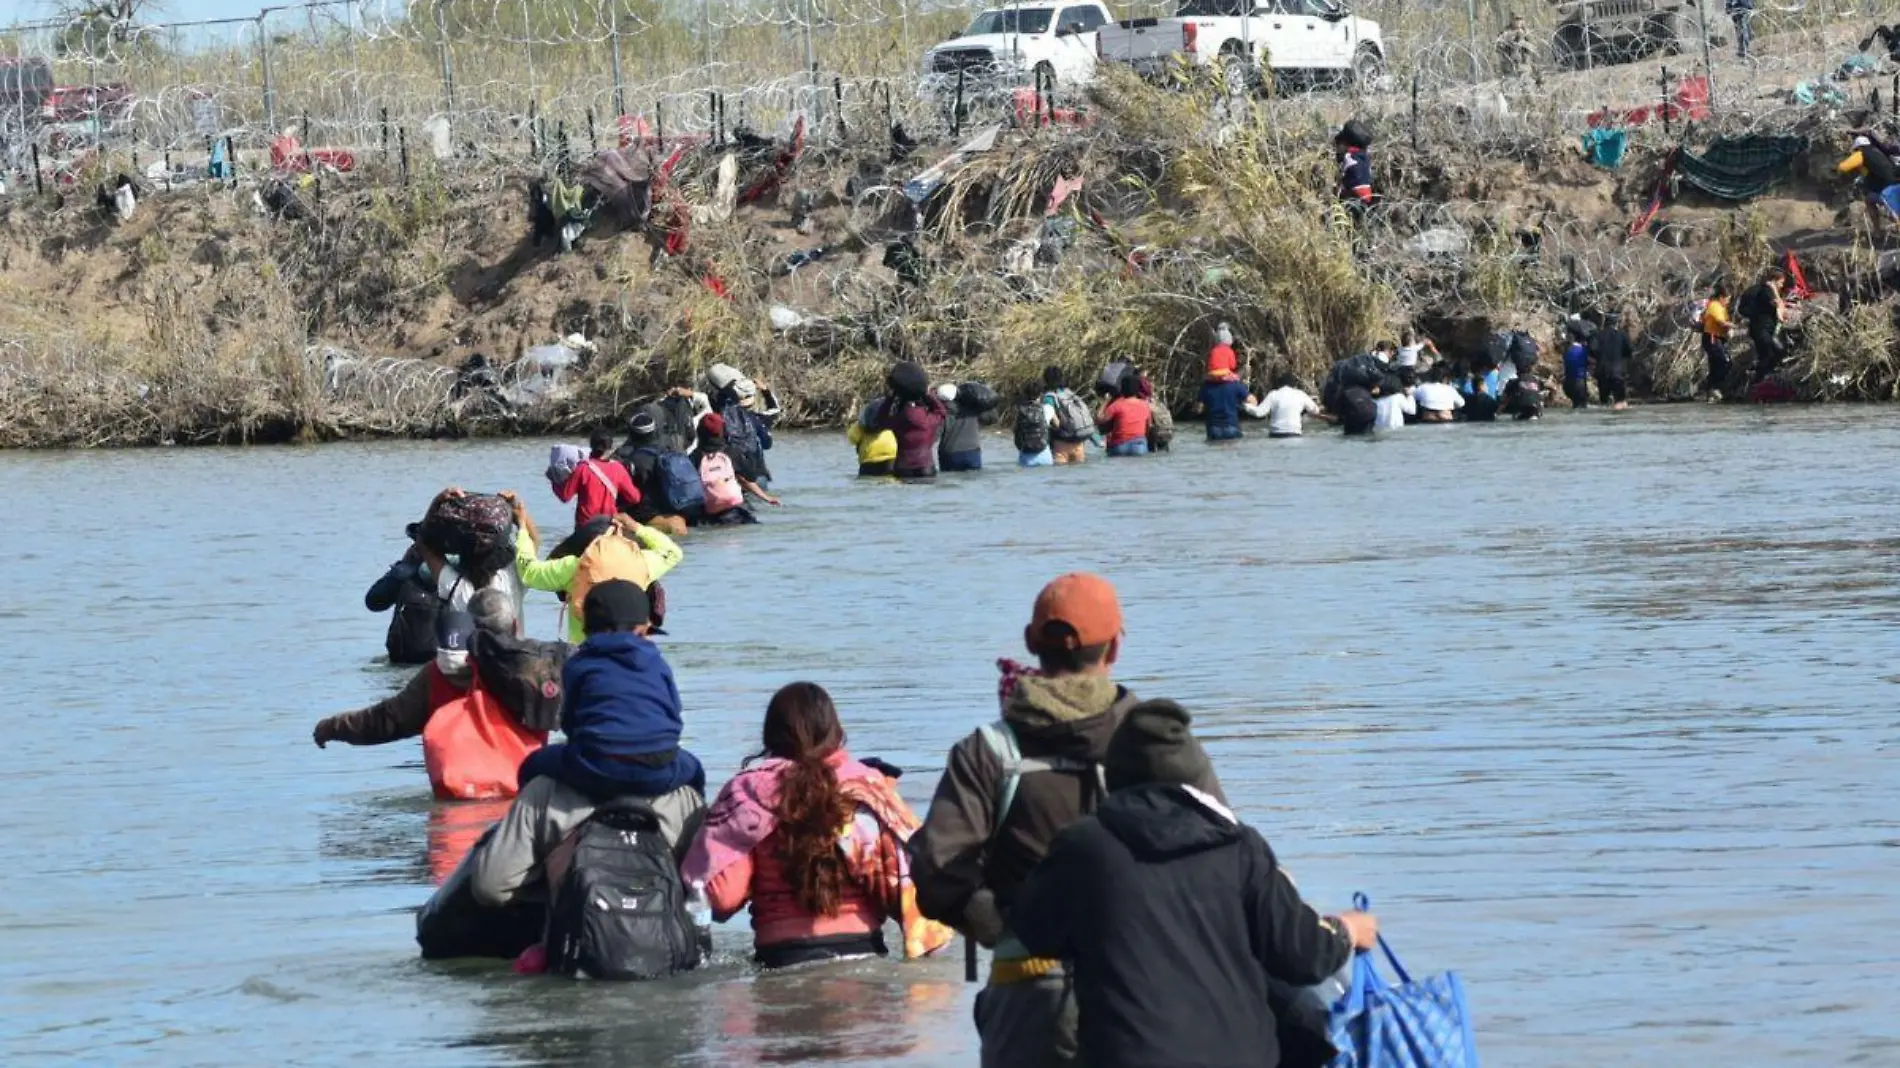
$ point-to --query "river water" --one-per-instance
(1600, 712)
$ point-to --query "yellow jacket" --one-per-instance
(874, 446)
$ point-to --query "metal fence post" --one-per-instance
(270, 90)
(1471, 36)
(527, 47)
(620, 86)
(705, 33)
(1708, 64)
(448, 72)
(811, 53)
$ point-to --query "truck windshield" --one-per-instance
(1027, 20)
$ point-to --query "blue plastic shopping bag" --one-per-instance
(1415, 1024)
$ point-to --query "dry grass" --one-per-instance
(1855, 356)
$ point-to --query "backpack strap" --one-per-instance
(593, 467)
(1001, 739)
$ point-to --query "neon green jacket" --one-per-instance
(661, 553)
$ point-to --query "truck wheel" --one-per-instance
(1239, 74)
(1368, 69)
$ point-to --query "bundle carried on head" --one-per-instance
(475, 528)
(908, 381)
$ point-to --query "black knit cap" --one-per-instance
(1153, 745)
(615, 605)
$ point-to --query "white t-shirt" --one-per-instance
(1285, 407)
(1408, 355)
(1393, 409)
(1438, 397)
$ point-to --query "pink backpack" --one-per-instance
(722, 486)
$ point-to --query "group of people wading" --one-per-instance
(1080, 833)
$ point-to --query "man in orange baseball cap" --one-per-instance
(1007, 789)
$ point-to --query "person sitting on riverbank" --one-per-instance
(597, 485)
(1437, 401)
(1177, 919)
(814, 841)
(960, 447)
(1221, 398)
(993, 816)
(495, 903)
(877, 447)
(1126, 419)
(408, 589)
(599, 551)
(516, 678)
(725, 487)
(915, 416)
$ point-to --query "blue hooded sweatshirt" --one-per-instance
(1222, 399)
(622, 718)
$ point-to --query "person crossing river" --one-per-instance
(1007, 790)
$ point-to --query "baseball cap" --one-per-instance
(615, 605)
(1075, 611)
(1861, 142)
(453, 629)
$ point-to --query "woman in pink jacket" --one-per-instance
(814, 841)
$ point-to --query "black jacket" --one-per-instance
(1173, 917)
(1611, 347)
(411, 637)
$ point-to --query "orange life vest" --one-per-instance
(472, 747)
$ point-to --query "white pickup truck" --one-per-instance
(1012, 44)
(1313, 41)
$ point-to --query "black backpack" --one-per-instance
(620, 912)
(743, 443)
(1032, 429)
(411, 637)
(673, 417)
(523, 674)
